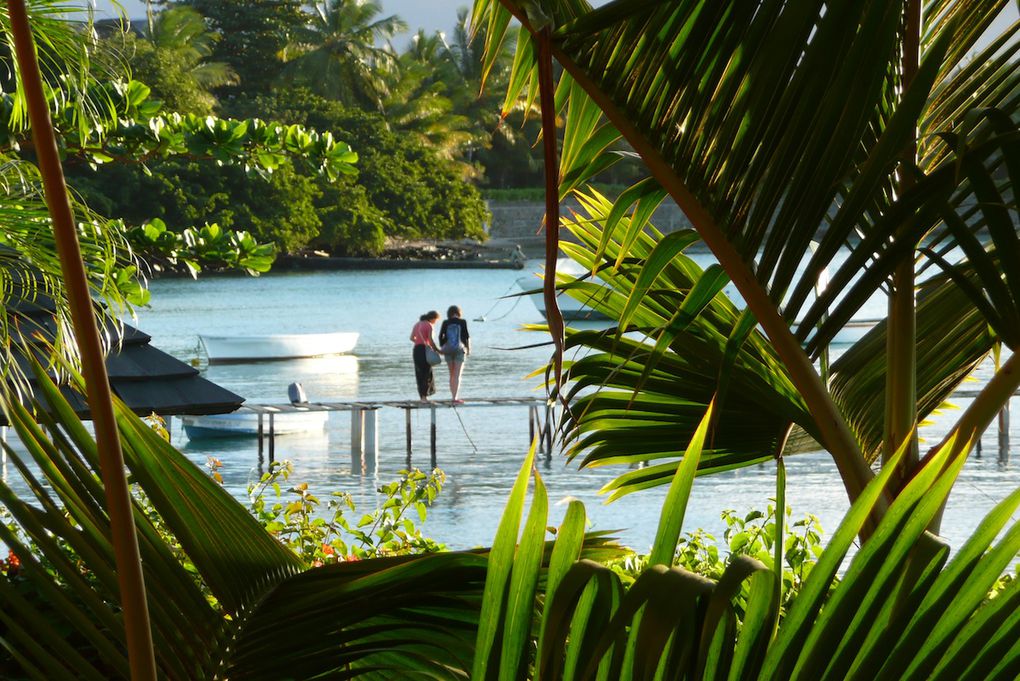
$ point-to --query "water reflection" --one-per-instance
(323, 378)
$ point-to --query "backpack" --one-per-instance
(452, 344)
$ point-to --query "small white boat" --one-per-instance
(277, 346)
(246, 424)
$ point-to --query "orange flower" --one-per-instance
(13, 564)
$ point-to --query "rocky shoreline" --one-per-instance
(495, 253)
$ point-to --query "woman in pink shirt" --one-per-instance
(421, 336)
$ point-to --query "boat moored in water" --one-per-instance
(572, 309)
(246, 424)
(277, 346)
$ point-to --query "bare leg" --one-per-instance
(455, 369)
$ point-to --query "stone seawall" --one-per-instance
(523, 219)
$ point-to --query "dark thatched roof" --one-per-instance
(146, 378)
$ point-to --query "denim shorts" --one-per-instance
(455, 356)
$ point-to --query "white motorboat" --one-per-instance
(246, 424)
(277, 346)
(573, 310)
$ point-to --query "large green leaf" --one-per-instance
(780, 125)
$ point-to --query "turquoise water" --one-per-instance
(480, 449)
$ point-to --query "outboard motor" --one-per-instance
(296, 393)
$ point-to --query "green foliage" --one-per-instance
(174, 60)
(352, 224)
(323, 534)
(901, 610)
(221, 585)
(418, 194)
(342, 52)
(254, 35)
(137, 133)
(192, 249)
(279, 208)
(166, 72)
(752, 535)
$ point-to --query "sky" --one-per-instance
(432, 15)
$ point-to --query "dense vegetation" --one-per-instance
(859, 137)
(427, 138)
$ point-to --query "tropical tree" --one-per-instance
(101, 117)
(872, 142)
(338, 55)
(173, 58)
(254, 35)
(418, 99)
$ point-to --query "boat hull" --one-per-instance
(571, 309)
(222, 349)
(246, 424)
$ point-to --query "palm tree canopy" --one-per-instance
(778, 127)
(339, 54)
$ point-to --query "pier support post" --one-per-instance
(432, 439)
(532, 414)
(407, 428)
(549, 418)
(357, 439)
(259, 434)
(371, 440)
(1004, 434)
(272, 440)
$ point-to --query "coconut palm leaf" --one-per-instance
(775, 127)
(901, 610)
(66, 53)
(949, 347)
(238, 568)
(220, 587)
(634, 397)
(30, 273)
(340, 54)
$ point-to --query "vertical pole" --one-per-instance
(1004, 433)
(272, 440)
(532, 413)
(371, 440)
(548, 431)
(259, 433)
(432, 440)
(357, 440)
(127, 561)
(407, 428)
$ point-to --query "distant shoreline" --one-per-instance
(297, 263)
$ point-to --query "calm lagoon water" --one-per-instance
(480, 449)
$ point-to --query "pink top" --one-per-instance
(421, 333)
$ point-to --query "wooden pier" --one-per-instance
(365, 424)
